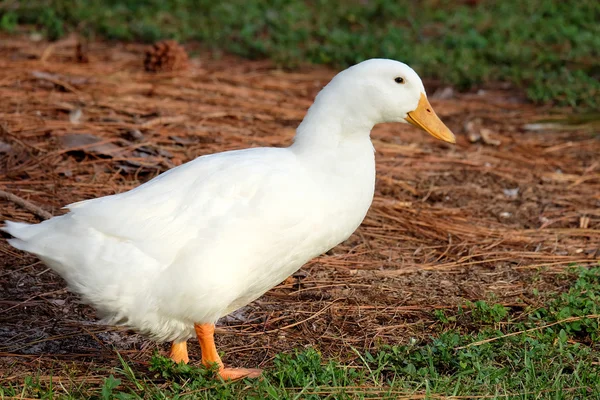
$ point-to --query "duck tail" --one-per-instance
(20, 232)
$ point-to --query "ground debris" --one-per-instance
(90, 144)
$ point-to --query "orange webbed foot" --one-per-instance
(179, 352)
(210, 357)
(239, 373)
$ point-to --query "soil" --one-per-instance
(507, 209)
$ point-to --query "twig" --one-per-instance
(570, 319)
(25, 204)
(52, 79)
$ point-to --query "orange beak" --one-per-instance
(425, 118)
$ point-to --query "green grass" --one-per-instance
(480, 349)
(551, 48)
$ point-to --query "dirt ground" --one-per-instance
(504, 210)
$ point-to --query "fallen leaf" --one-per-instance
(443, 93)
(5, 147)
(487, 139)
(89, 143)
(511, 193)
(75, 116)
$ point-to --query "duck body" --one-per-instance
(205, 238)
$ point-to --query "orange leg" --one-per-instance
(206, 337)
(179, 352)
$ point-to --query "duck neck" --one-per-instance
(333, 121)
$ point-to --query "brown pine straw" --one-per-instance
(446, 224)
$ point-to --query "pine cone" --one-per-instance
(164, 56)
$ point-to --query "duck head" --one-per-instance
(382, 90)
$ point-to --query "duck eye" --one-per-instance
(399, 79)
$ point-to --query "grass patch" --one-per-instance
(480, 349)
(548, 47)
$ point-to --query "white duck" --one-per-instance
(172, 256)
